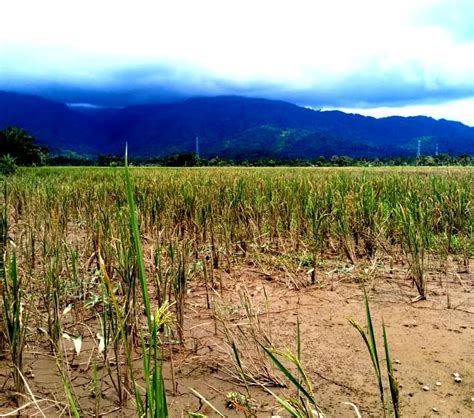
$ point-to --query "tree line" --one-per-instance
(18, 148)
(190, 160)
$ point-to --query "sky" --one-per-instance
(374, 57)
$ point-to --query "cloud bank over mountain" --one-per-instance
(363, 55)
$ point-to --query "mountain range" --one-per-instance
(228, 126)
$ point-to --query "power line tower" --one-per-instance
(437, 151)
(418, 151)
(197, 147)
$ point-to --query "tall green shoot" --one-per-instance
(370, 342)
(155, 400)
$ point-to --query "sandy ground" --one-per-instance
(430, 340)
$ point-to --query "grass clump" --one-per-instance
(369, 340)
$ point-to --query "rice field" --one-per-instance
(124, 291)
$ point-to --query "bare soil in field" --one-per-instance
(430, 340)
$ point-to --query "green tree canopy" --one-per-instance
(17, 143)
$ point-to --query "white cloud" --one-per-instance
(460, 110)
(299, 45)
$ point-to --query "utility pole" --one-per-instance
(197, 147)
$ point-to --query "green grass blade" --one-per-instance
(285, 404)
(373, 344)
(394, 393)
(241, 369)
(137, 242)
(156, 397)
(162, 399)
(298, 346)
(363, 334)
(289, 375)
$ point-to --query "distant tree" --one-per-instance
(444, 159)
(110, 160)
(66, 160)
(466, 160)
(7, 165)
(218, 162)
(70, 158)
(343, 161)
(426, 160)
(181, 160)
(21, 146)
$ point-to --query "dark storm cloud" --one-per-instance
(160, 83)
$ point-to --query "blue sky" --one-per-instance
(374, 57)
